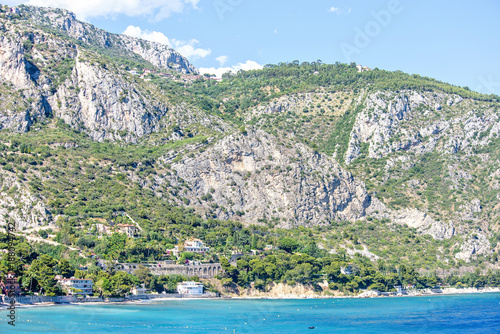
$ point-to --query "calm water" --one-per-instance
(478, 313)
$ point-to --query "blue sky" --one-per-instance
(453, 41)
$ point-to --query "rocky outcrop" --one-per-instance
(106, 105)
(411, 121)
(158, 54)
(20, 102)
(251, 178)
(474, 244)
(18, 204)
(91, 94)
(423, 223)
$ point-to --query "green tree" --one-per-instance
(303, 273)
(64, 269)
(289, 245)
(43, 270)
(122, 282)
(103, 286)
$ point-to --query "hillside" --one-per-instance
(398, 168)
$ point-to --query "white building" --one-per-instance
(139, 290)
(399, 289)
(193, 246)
(70, 285)
(363, 68)
(190, 288)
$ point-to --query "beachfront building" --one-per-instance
(190, 288)
(73, 286)
(139, 290)
(11, 286)
(191, 245)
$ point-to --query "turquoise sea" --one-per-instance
(475, 313)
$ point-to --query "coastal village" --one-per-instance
(191, 268)
(80, 289)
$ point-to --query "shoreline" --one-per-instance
(423, 293)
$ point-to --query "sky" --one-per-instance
(453, 41)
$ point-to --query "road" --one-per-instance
(51, 242)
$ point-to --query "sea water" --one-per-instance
(474, 313)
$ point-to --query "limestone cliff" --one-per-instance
(65, 22)
(251, 177)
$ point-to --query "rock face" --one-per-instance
(21, 104)
(158, 54)
(249, 177)
(423, 223)
(107, 106)
(474, 244)
(19, 205)
(407, 121)
(91, 94)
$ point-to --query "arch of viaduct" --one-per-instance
(205, 270)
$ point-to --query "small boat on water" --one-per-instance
(311, 327)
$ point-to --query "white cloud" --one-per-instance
(188, 49)
(222, 60)
(339, 11)
(185, 48)
(275, 31)
(156, 10)
(246, 66)
(154, 36)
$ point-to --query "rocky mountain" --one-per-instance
(55, 65)
(65, 23)
(407, 164)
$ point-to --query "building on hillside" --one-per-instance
(11, 286)
(191, 77)
(363, 68)
(128, 229)
(190, 288)
(193, 246)
(166, 75)
(71, 285)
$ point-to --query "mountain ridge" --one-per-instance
(291, 145)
